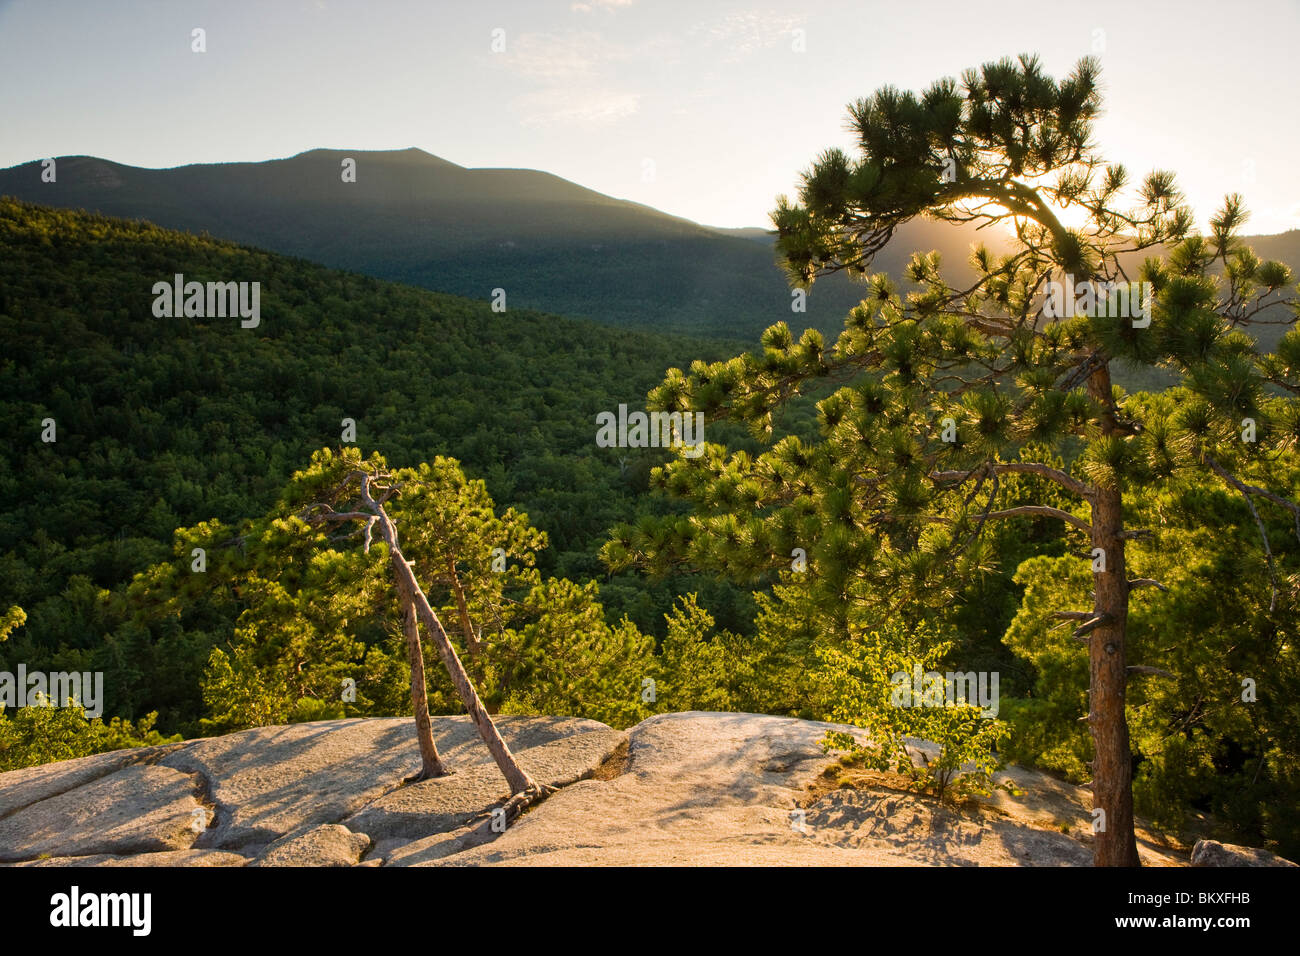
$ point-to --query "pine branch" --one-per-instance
(1247, 492)
(1083, 630)
(1066, 481)
(1144, 669)
(1045, 511)
(1146, 583)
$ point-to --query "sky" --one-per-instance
(706, 109)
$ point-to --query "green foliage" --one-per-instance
(698, 665)
(1198, 745)
(321, 610)
(14, 618)
(862, 681)
(803, 662)
(710, 669)
(946, 414)
(198, 424)
(44, 733)
(563, 658)
(769, 672)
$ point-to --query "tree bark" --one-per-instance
(515, 775)
(462, 611)
(431, 764)
(1112, 766)
(409, 587)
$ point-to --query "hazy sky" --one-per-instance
(702, 109)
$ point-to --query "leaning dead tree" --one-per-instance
(417, 611)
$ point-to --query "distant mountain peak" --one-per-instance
(409, 152)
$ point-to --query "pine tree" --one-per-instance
(940, 391)
(326, 579)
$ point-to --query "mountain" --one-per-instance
(745, 232)
(416, 218)
(1284, 247)
(548, 243)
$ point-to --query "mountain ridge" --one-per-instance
(417, 218)
(550, 244)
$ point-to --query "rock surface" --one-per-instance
(21, 788)
(164, 858)
(692, 788)
(448, 803)
(732, 789)
(326, 845)
(1214, 853)
(138, 809)
(276, 795)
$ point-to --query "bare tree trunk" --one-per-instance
(462, 611)
(1112, 767)
(431, 763)
(408, 586)
(515, 775)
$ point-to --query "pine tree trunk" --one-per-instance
(462, 610)
(431, 764)
(515, 775)
(1112, 767)
(409, 587)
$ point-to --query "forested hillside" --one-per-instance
(162, 423)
